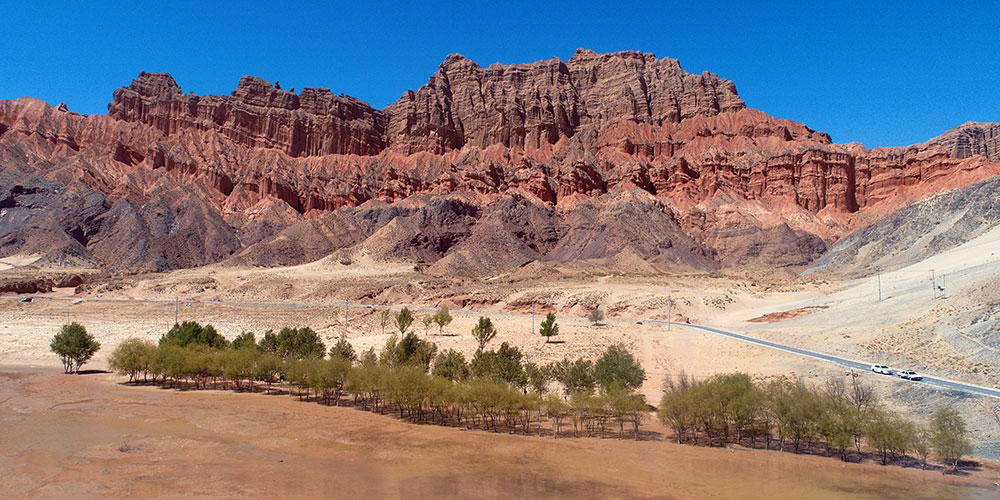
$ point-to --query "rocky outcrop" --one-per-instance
(530, 106)
(971, 138)
(621, 159)
(524, 106)
(312, 123)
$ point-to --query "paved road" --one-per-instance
(848, 363)
(938, 382)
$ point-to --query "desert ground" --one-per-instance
(89, 436)
(240, 439)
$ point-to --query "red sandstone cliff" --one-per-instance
(312, 123)
(612, 156)
(531, 106)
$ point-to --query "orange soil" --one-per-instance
(783, 315)
(62, 433)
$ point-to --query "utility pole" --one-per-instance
(933, 285)
(944, 290)
(347, 304)
(532, 317)
(177, 306)
(879, 271)
(670, 302)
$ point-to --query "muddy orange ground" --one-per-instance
(60, 437)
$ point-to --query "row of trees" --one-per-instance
(442, 318)
(404, 319)
(75, 346)
(833, 418)
(496, 390)
(499, 388)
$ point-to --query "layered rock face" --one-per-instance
(530, 106)
(971, 138)
(620, 159)
(312, 123)
(521, 106)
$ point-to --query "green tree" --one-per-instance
(427, 321)
(677, 405)
(131, 357)
(326, 377)
(837, 423)
(270, 342)
(806, 407)
(451, 364)
(617, 366)
(859, 397)
(795, 409)
(240, 365)
(557, 409)
(738, 402)
(297, 374)
(626, 407)
(171, 361)
(538, 378)
(343, 349)
(268, 367)
(245, 340)
(384, 318)
(583, 408)
(411, 350)
(442, 318)
(297, 343)
(74, 346)
(887, 433)
(921, 443)
(549, 327)
(502, 365)
(369, 358)
(483, 332)
(949, 436)
(575, 376)
(390, 356)
(403, 320)
(190, 332)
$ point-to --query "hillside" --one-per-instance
(917, 231)
(622, 160)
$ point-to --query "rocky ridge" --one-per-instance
(312, 123)
(618, 158)
(970, 139)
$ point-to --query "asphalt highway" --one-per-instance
(847, 363)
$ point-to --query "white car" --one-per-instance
(883, 369)
(910, 375)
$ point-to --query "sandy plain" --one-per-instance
(60, 429)
(88, 436)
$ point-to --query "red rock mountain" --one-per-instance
(970, 139)
(620, 159)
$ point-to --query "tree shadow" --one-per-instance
(645, 435)
(91, 372)
(556, 342)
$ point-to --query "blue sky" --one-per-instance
(885, 75)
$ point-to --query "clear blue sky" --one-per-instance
(885, 75)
